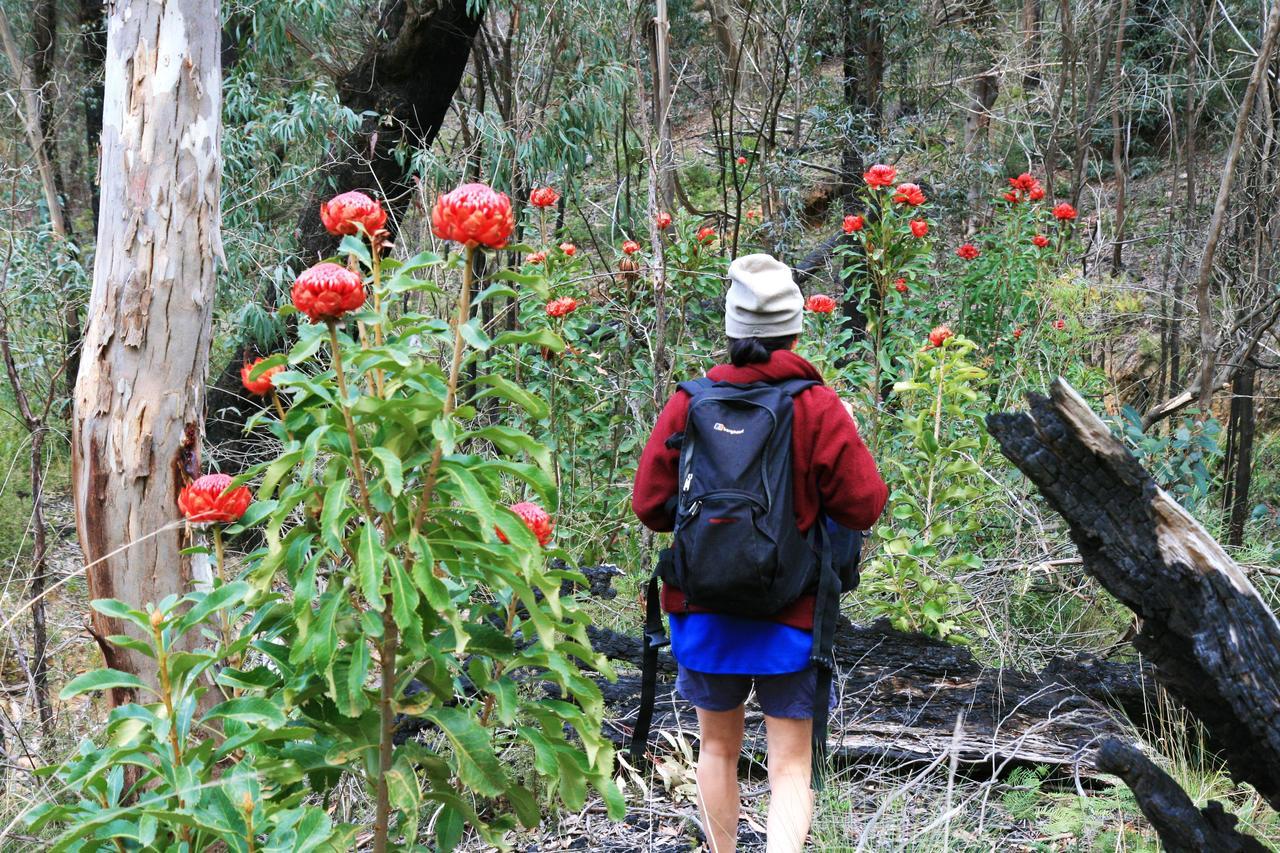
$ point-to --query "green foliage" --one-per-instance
(935, 491)
(175, 772)
(1182, 460)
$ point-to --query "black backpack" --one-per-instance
(736, 547)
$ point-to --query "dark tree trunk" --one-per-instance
(1209, 634)
(406, 83)
(1240, 433)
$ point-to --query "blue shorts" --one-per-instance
(789, 696)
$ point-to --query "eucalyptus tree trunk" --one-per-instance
(140, 390)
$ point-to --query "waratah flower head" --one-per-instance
(901, 285)
(351, 213)
(263, 384)
(968, 251)
(544, 197)
(473, 215)
(880, 175)
(537, 519)
(1040, 240)
(569, 249)
(820, 303)
(939, 335)
(919, 227)
(1023, 182)
(909, 194)
(535, 258)
(662, 220)
(1064, 212)
(630, 247)
(706, 234)
(562, 306)
(852, 223)
(1036, 192)
(1059, 324)
(327, 291)
(742, 161)
(210, 500)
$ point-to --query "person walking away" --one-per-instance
(723, 580)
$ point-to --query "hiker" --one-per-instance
(733, 627)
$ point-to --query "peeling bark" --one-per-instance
(140, 390)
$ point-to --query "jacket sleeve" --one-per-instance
(655, 486)
(852, 491)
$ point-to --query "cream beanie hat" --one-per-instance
(763, 300)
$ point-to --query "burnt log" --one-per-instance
(900, 694)
(1209, 635)
(1182, 827)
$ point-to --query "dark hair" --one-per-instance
(744, 351)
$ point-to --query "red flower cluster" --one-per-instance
(544, 197)
(880, 175)
(561, 307)
(263, 384)
(820, 304)
(939, 335)
(1064, 212)
(742, 161)
(1040, 241)
(754, 213)
(327, 291)
(473, 215)
(1059, 324)
(569, 249)
(706, 234)
(853, 223)
(535, 257)
(1024, 184)
(630, 247)
(351, 213)
(1017, 333)
(968, 251)
(909, 194)
(537, 519)
(919, 227)
(900, 285)
(210, 500)
(662, 220)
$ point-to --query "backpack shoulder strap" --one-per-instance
(794, 387)
(694, 387)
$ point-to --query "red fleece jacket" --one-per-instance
(833, 468)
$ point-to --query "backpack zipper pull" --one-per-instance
(688, 481)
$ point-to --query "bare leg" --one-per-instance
(790, 798)
(719, 745)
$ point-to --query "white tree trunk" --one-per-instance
(139, 398)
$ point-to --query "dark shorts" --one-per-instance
(789, 696)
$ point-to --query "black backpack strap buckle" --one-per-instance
(655, 637)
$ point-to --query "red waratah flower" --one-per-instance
(880, 175)
(630, 247)
(754, 213)
(1036, 192)
(1059, 324)
(327, 291)
(535, 258)
(350, 212)
(706, 234)
(1012, 197)
(536, 519)
(968, 251)
(909, 194)
(1064, 212)
(544, 197)
(262, 385)
(473, 215)
(569, 249)
(919, 227)
(742, 161)
(939, 335)
(562, 306)
(662, 220)
(1023, 182)
(900, 285)
(820, 304)
(209, 500)
(1017, 333)
(1040, 240)
(853, 223)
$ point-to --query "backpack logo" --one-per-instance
(719, 427)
